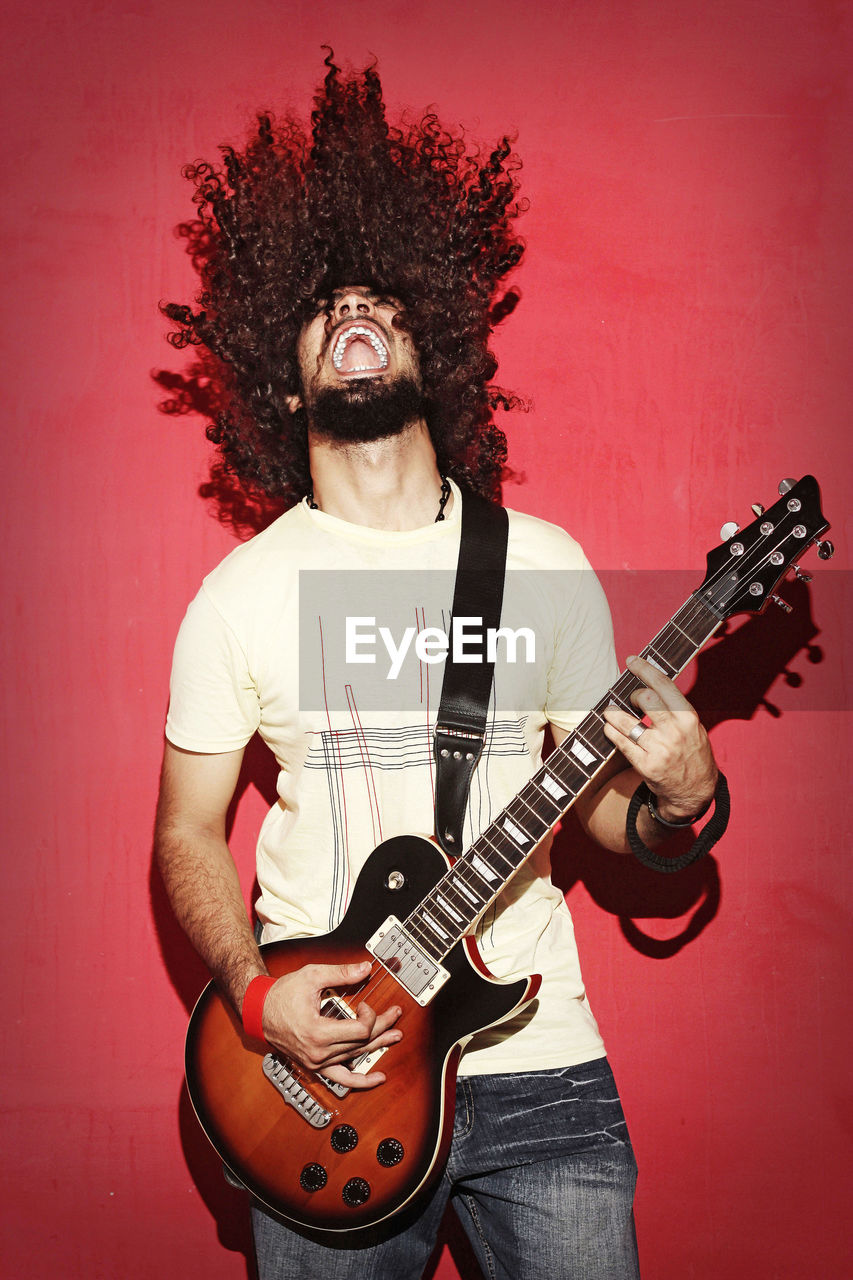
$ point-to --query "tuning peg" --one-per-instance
(783, 604)
(802, 577)
(757, 509)
(728, 530)
(825, 549)
(786, 485)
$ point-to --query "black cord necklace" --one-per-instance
(442, 502)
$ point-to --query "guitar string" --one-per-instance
(693, 610)
(668, 643)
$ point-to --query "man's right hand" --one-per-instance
(293, 1023)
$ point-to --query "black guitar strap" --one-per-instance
(460, 729)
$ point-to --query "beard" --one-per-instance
(366, 409)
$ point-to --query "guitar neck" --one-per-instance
(453, 907)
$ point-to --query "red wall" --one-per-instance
(683, 336)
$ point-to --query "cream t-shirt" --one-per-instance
(285, 638)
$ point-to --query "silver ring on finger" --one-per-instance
(637, 732)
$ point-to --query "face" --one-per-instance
(358, 372)
(353, 340)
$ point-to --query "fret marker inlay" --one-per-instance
(518, 836)
(435, 928)
(579, 750)
(457, 884)
(553, 788)
(483, 868)
(447, 909)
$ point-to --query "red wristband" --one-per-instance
(253, 1006)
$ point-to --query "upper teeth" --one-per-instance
(359, 331)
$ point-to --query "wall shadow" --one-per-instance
(458, 1246)
(734, 679)
(227, 1205)
(186, 971)
(189, 976)
(197, 392)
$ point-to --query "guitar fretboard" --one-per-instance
(453, 907)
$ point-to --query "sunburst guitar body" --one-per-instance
(335, 1162)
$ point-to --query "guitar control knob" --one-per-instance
(390, 1152)
(344, 1138)
(313, 1177)
(356, 1192)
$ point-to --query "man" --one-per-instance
(349, 288)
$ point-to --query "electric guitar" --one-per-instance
(333, 1159)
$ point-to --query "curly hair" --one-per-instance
(406, 211)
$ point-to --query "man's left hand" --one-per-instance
(673, 755)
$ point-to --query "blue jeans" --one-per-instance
(541, 1175)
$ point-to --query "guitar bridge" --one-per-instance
(294, 1093)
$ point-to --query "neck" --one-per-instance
(391, 484)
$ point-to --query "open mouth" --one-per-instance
(359, 348)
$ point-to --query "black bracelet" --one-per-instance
(682, 822)
(707, 838)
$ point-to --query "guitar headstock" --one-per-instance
(744, 570)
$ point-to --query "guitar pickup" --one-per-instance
(334, 1006)
(408, 963)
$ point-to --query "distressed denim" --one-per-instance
(541, 1175)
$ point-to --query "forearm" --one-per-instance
(204, 889)
(603, 813)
